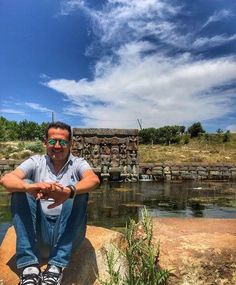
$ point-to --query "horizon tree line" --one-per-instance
(29, 130)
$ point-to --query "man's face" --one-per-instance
(58, 144)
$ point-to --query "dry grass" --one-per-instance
(197, 150)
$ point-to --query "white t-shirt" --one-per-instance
(39, 168)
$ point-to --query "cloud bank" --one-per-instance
(152, 70)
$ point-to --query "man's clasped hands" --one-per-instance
(46, 190)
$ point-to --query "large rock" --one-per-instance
(85, 265)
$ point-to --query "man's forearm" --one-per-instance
(87, 184)
(13, 183)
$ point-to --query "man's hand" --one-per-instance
(43, 190)
(46, 190)
(59, 196)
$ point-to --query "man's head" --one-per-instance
(59, 125)
(58, 141)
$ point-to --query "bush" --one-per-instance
(186, 138)
(36, 146)
(21, 145)
(195, 130)
(226, 136)
(141, 257)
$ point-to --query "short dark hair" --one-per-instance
(58, 125)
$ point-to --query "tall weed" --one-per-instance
(141, 257)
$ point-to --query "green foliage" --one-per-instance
(219, 131)
(36, 146)
(164, 135)
(186, 138)
(140, 255)
(226, 136)
(24, 130)
(195, 130)
(147, 135)
(21, 146)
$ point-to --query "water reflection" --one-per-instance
(112, 204)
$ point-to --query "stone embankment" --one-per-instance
(193, 171)
(166, 171)
(197, 251)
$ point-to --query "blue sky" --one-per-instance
(108, 63)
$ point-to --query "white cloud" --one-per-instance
(122, 21)
(158, 90)
(138, 80)
(213, 41)
(218, 16)
(11, 111)
(37, 107)
(44, 76)
(69, 6)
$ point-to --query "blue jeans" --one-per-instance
(55, 236)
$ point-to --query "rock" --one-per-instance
(85, 266)
(198, 251)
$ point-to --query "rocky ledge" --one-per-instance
(197, 251)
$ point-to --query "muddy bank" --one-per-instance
(198, 251)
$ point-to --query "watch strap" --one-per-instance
(72, 191)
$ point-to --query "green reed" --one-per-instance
(141, 257)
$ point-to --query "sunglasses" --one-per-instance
(53, 142)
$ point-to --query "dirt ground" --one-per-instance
(197, 251)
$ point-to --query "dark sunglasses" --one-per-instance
(53, 142)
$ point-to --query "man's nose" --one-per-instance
(57, 145)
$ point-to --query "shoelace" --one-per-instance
(29, 279)
(50, 278)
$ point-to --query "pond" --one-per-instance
(112, 204)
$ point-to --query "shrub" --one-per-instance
(36, 146)
(186, 138)
(141, 257)
(195, 130)
(226, 136)
(21, 145)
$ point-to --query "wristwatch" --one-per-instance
(72, 191)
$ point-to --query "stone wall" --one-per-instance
(184, 171)
(8, 165)
(113, 153)
(164, 171)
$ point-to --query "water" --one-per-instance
(113, 204)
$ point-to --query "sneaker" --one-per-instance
(30, 276)
(52, 275)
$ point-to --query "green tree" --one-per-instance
(147, 135)
(3, 129)
(12, 131)
(29, 130)
(168, 135)
(43, 128)
(195, 130)
(226, 136)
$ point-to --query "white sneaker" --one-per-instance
(52, 275)
(30, 276)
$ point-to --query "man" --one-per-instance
(49, 206)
